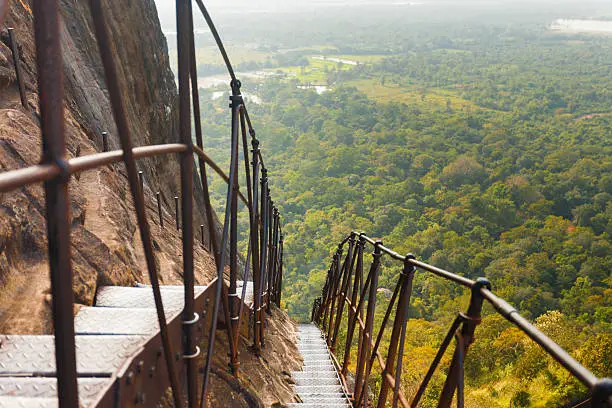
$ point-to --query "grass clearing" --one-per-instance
(427, 99)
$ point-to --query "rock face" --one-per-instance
(105, 242)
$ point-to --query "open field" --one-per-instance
(430, 98)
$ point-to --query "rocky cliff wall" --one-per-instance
(105, 241)
(106, 247)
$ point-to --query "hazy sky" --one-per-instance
(224, 8)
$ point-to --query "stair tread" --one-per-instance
(142, 297)
(27, 355)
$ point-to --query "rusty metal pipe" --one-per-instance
(184, 32)
(220, 265)
(57, 202)
(123, 128)
(105, 147)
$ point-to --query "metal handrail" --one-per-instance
(55, 171)
(338, 285)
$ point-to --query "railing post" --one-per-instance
(190, 351)
(352, 314)
(121, 120)
(601, 396)
(327, 290)
(399, 323)
(236, 102)
(348, 272)
(255, 235)
(314, 311)
(57, 202)
(105, 146)
(269, 248)
(363, 362)
(219, 296)
(264, 252)
(141, 180)
(210, 221)
(280, 271)
(274, 250)
(17, 63)
(470, 321)
(337, 276)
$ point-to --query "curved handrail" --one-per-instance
(55, 169)
(13, 179)
(338, 285)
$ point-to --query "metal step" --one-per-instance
(317, 384)
(35, 355)
(142, 297)
(117, 329)
(89, 388)
(110, 320)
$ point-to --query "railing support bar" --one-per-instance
(57, 202)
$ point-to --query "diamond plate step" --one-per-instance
(89, 388)
(142, 297)
(35, 355)
(22, 402)
(109, 320)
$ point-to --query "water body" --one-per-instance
(582, 26)
(319, 88)
(344, 61)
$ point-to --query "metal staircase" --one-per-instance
(118, 349)
(318, 384)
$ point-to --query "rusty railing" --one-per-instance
(265, 248)
(346, 288)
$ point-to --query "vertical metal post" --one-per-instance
(255, 234)
(327, 290)
(352, 315)
(233, 295)
(339, 271)
(176, 213)
(472, 318)
(349, 263)
(183, 19)
(141, 179)
(159, 210)
(114, 88)
(57, 202)
(280, 270)
(274, 270)
(233, 177)
(264, 251)
(105, 147)
(210, 221)
(398, 324)
(363, 359)
(17, 62)
(269, 249)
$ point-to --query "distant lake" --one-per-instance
(582, 26)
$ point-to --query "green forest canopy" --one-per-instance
(482, 149)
